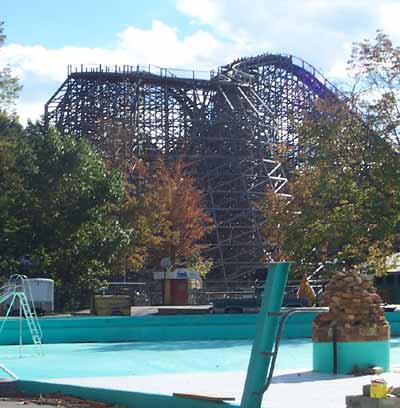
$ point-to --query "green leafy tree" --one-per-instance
(9, 85)
(11, 184)
(346, 195)
(58, 210)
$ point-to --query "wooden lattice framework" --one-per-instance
(233, 126)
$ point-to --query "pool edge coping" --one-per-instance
(126, 398)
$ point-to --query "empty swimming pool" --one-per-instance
(145, 358)
(200, 367)
(152, 358)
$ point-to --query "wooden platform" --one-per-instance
(204, 397)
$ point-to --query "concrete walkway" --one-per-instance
(289, 388)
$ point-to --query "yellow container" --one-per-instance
(378, 388)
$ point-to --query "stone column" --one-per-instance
(355, 322)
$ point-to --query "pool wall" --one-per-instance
(350, 354)
(162, 328)
(151, 328)
(128, 399)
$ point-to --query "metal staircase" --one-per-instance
(31, 320)
(18, 287)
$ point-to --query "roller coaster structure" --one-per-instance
(234, 126)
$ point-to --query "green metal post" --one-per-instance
(266, 330)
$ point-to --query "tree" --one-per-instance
(167, 213)
(375, 67)
(58, 210)
(346, 194)
(9, 86)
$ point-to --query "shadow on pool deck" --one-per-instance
(305, 376)
(182, 345)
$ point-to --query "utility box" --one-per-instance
(42, 293)
(112, 305)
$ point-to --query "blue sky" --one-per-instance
(44, 36)
(83, 23)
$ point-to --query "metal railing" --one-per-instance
(237, 72)
(315, 72)
(134, 69)
(18, 287)
(9, 372)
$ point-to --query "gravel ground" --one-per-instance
(17, 404)
(51, 402)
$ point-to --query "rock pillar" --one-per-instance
(355, 331)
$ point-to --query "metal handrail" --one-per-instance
(237, 69)
(29, 296)
(132, 69)
(317, 73)
(9, 372)
(284, 316)
(18, 286)
(237, 72)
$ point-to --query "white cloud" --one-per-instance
(206, 11)
(160, 45)
(389, 19)
(315, 30)
(319, 31)
(29, 110)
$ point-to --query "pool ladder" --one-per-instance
(18, 286)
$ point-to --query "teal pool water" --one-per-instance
(151, 358)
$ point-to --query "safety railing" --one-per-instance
(8, 372)
(134, 69)
(18, 287)
(313, 71)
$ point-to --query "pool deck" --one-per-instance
(137, 311)
(289, 387)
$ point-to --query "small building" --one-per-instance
(179, 286)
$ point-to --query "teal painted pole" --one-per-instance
(266, 330)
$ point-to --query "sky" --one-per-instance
(44, 36)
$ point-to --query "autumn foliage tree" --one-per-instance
(166, 209)
(375, 68)
(346, 194)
